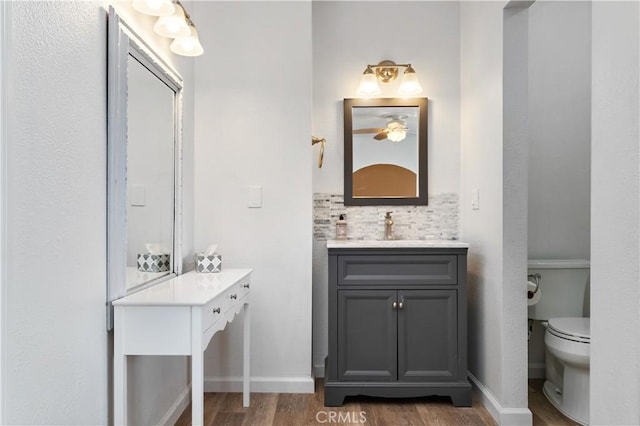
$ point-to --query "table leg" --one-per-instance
(246, 355)
(119, 375)
(197, 385)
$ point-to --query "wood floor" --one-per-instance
(543, 412)
(225, 409)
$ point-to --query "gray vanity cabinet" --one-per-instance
(397, 324)
(367, 339)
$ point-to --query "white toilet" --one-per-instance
(563, 308)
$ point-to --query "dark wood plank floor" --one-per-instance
(268, 409)
(545, 414)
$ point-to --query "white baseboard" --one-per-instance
(504, 416)
(319, 370)
(261, 384)
(177, 408)
(537, 371)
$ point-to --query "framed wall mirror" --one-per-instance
(143, 173)
(385, 151)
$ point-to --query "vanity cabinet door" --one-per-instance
(427, 335)
(367, 343)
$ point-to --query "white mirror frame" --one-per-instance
(124, 41)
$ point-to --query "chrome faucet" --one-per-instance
(388, 223)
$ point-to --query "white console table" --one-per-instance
(179, 317)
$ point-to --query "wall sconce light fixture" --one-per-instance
(173, 22)
(385, 72)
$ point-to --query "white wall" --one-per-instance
(3, 186)
(560, 128)
(253, 122)
(56, 342)
(615, 214)
(56, 339)
(345, 39)
(497, 356)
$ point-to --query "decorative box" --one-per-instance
(154, 262)
(208, 263)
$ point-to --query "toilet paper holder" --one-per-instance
(536, 277)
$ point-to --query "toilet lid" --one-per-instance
(571, 327)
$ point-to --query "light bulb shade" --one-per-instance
(410, 85)
(396, 130)
(396, 135)
(368, 84)
(189, 45)
(172, 26)
(154, 7)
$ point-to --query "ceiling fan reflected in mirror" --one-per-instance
(395, 130)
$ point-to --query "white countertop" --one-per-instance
(191, 288)
(396, 244)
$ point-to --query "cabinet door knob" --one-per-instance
(395, 305)
(245, 285)
(234, 296)
(401, 305)
(216, 310)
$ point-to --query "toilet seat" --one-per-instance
(574, 329)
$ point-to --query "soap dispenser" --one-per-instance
(341, 228)
(388, 230)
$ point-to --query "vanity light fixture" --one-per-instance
(154, 7)
(174, 25)
(173, 22)
(188, 45)
(385, 72)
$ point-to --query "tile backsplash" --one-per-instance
(438, 220)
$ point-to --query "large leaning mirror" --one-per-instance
(385, 151)
(144, 142)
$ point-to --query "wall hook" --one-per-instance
(322, 141)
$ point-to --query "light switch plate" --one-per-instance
(475, 199)
(254, 197)
(137, 196)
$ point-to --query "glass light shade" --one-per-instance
(172, 26)
(189, 45)
(368, 84)
(154, 7)
(396, 130)
(410, 85)
(396, 135)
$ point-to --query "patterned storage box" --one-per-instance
(209, 263)
(154, 262)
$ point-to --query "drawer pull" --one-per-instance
(394, 305)
(216, 310)
(245, 285)
(234, 296)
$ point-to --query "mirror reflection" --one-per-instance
(150, 175)
(385, 151)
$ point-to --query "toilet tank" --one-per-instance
(564, 286)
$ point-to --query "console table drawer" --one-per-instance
(216, 308)
(397, 269)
